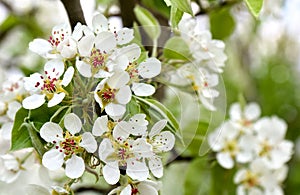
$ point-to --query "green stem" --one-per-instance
(154, 50)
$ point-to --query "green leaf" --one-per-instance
(148, 21)
(254, 6)
(176, 48)
(176, 15)
(133, 107)
(183, 5)
(221, 23)
(36, 140)
(159, 6)
(20, 135)
(164, 112)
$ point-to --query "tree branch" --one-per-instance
(127, 14)
(74, 10)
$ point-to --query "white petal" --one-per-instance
(123, 96)
(68, 48)
(164, 141)
(121, 63)
(6, 130)
(210, 93)
(126, 190)
(146, 189)
(139, 119)
(83, 68)
(85, 45)
(34, 101)
(157, 127)
(100, 23)
(105, 149)
(56, 99)
(132, 52)
(150, 68)
(88, 142)
(111, 173)
(125, 35)
(72, 123)
(68, 76)
(122, 130)
(53, 159)
(105, 41)
(142, 148)
(252, 111)
(142, 89)
(115, 109)
(207, 103)
(30, 82)
(75, 167)
(51, 132)
(118, 79)
(225, 160)
(13, 107)
(235, 111)
(137, 170)
(156, 167)
(240, 176)
(100, 126)
(40, 46)
(54, 68)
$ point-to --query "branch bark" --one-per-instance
(127, 14)
(74, 11)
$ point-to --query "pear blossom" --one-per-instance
(60, 43)
(202, 82)
(205, 50)
(9, 168)
(113, 93)
(144, 187)
(258, 179)
(229, 145)
(148, 69)
(48, 86)
(100, 24)
(124, 154)
(68, 146)
(271, 146)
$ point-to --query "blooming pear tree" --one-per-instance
(118, 108)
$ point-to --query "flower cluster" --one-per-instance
(90, 67)
(12, 92)
(207, 58)
(258, 145)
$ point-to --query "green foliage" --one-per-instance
(176, 48)
(157, 5)
(148, 21)
(183, 5)
(176, 15)
(222, 181)
(28, 121)
(198, 168)
(254, 6)
(221, 23)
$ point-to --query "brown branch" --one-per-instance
(74, 10)
(127, 14)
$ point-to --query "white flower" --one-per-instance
(67, 146)
(229, 145)
(258, 179)
(202, 82)
(244, 119)
(9, 168)
(161, 141)
(100, 24)
(144, 187)
(204, 49)
(48, 85)
(271, 146)
(126, 154)
(148, 69)
(51, 48)
(113, 94)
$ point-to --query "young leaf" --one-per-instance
(149, 22)
(183, 5)
(176, 15)
(221, 23)
(20, 135)
(254, 6)
(176, 48)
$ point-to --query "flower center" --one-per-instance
(133, 72)
(231, 147)
(134, 190)
(250, 180)
(107, 95)
(70, 145)
(123, 152)
(265, 148)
